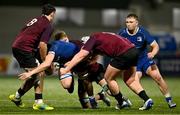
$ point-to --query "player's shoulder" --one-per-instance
(122, 30)
(37, 18)
(56, 43)
(142, 29)
(43, 21)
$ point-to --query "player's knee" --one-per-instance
(156, 76)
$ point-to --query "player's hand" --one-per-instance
(150, 55)
(24, 76)
(63, 71)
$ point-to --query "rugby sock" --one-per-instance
(119, 99)
(143, 95)
(29, 84)
(38, 98)
(101, 95)
(84, 102)
(19, 93)
(168, 97)
(105, 88)
(93, 102)
(91, 97)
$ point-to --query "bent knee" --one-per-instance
(156, 76)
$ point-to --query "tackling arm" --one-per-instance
(76, 59)
(43, 66)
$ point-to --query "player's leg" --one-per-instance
(27, 61)
(96, 73)
(153, 72)
(99, 78)
(110, 77)
(89, 89)
(130, 78)
(131, 60)
(82, 94)
(104, 85)
(38, 87)
(16, 98)
(102, 95)
(67, 81)
(26, 86)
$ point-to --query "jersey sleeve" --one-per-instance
(46, 35)
(89, 45)
(53, 48)
(148, 36)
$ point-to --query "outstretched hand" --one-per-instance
(24, 76)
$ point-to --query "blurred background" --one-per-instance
(83, 17)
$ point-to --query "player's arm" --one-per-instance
(45, 37)
(82, 54)
(152, 42)
(154, 49)
(43, 50)
(43, 66)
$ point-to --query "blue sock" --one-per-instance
(168, 99)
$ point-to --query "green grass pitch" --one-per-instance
(65, 103)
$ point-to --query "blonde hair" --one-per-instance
(59, 35)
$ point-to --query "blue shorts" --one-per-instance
(143, 63)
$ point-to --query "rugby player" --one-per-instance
(141, 38)
(35, 34)
(124, 59)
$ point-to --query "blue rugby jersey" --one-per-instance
(63, 51)
(141, 39)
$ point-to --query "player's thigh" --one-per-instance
(25, 59)
(126, 60)
(153, 72)
(111, 73)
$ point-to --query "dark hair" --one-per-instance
(47, 9)
(59, 35)
(132, 15)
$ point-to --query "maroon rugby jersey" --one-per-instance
(108, 44)
(38, 29)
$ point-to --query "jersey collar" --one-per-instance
(134, 33)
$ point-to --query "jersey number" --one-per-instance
(32, 22)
